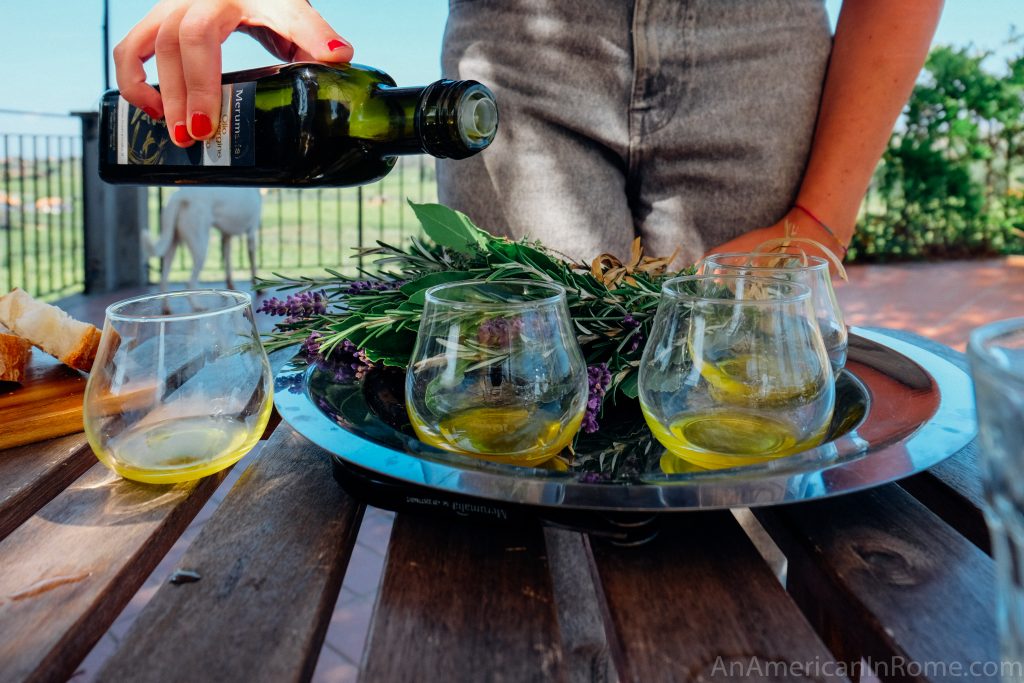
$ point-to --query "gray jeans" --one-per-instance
(684, 122)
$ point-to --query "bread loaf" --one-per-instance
(15, 354)
(72, 342)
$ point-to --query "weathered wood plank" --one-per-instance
(882, 577)
(271, 562)
(951, 489)
(30, 476)
(699, 603)
(464, 602)
(67, 572)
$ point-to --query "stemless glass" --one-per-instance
(996, 354)
(735, 372)
(496, 371)
(181, 387)
(811, 271)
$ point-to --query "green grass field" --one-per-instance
(41, 226)
(304, 231)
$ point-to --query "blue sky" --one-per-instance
(51, 49)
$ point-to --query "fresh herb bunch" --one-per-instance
(373, 318)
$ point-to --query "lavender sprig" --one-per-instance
(296, 306)
(346, 361)
(598, 379)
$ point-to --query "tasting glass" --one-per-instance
(996, 354)
(496, 372)
(181, 386)
(811, 271)
(735, 372)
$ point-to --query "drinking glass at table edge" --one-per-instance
(704, 128)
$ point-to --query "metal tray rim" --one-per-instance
(816, 473)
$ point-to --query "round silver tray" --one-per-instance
(900, 409)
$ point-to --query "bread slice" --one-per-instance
(72, 342)
(15, 354)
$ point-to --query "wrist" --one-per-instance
(807, 223)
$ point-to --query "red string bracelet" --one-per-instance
(824, 226)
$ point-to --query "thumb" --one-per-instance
(314, 37)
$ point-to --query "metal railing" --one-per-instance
(41, 231)
(304, 231)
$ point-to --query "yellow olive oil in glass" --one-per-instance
(729, 438)
(727, 381)
(181, 387)
(497, 373)
(181, 449)
(516, 435)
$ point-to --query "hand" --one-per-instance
(800, 225)
(185, 36)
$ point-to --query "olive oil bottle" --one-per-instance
(299, 125)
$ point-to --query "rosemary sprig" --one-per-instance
(378, 311)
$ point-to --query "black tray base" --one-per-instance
(620, 528)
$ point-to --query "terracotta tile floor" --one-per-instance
(941, 301)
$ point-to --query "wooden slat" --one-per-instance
(699, 603)
(882, 577)
(66, 573)
(271, 562)
(464, 602)
(951, 489)
(30, 476)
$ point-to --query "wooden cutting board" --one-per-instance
(48, 404)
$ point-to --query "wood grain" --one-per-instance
(270, 561)
(464, 602)
(67, 572)
(30, 476)
(48, 403)
(698, 603)
(883, 577)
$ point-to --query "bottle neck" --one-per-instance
(446, 119)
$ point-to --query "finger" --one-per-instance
(303, 25)
(130, 54)
(172, 80)
(203, 28)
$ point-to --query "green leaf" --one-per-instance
(449, 228)
(629, 386)
(417, 289)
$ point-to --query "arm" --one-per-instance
(878, 51)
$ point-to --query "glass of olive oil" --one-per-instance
(496, 372)
(181, 386)
(812, 271)
(735, 372)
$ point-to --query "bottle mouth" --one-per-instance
(457, 119)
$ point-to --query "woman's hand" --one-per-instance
(796, 223)
(186, 35)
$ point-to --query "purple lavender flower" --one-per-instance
(366, 286)
(498, 331)
(346, 361)
(598, 379)
(296, 306)
(632, 325)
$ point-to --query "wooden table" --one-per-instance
(899, 575)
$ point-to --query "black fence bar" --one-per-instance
(40, 214)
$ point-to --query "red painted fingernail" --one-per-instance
(181, 135)
(201, 125)
(335, 44)
(151, 113)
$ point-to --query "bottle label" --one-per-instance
(141, 140)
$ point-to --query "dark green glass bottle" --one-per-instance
(301, 124)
